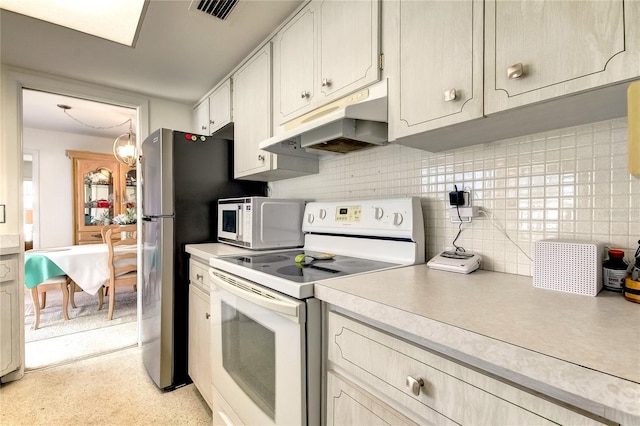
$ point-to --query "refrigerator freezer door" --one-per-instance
(157, 174)
(157, 300)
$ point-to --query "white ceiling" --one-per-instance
(180, 54)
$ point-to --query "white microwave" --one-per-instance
(260, 222)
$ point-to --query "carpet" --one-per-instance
(83, 318)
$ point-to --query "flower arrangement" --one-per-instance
(126, 218)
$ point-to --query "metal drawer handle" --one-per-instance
(415, 385)
(515, 71)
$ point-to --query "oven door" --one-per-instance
(258, 349)
(230, 222)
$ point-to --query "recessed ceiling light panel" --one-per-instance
(115, 20)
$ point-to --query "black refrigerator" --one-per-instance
(182, 176)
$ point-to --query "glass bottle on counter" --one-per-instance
(614, 271)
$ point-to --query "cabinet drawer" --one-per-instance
(348, 405)
(198, 275)
(465, 396)
(8, 268)
(90, 237)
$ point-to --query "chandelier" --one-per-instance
(124, 147)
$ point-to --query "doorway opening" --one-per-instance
(56, 204)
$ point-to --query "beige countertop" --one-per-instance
(207, 250)
(579, 349)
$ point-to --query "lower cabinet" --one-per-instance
(349, 405)
(373, 376)
(199, 331)
(9, 312)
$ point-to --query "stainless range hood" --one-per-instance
(355, 122)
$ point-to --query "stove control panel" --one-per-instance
(393, 217)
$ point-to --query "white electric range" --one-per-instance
(265, 321)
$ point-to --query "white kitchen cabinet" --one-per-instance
(427, 387)
(199, 359)
(215, 112)
(436, 52)
(252, 125)
(220, 111)
(328, 50)
(201, 118)
(576, 57)
(9, 313)
(540, 50)
(349, 405)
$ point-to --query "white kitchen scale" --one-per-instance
(455, 261)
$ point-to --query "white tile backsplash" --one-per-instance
(570, 183)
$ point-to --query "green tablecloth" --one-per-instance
(38, 268)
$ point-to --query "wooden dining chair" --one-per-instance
(122, 270)
(61, 283)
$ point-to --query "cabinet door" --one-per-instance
(199, 357)
(252, 114)
(347, 405)
(294, 78)
(9, 313)
(538, 50)
(97, 182)
(220, 107)
(348, 46)
(439, 68)
(201, 118)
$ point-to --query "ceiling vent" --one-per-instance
(217, 8)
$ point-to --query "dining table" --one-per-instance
(86, 265)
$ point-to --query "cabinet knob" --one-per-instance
(515, 71)
(261, 157)
(212, 122)
(415, 385)
(450, 95)
(199, 277)
(326, 82)
(207, 315)
(304, 94)
(204, 127)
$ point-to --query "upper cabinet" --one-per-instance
(326, 51)
(252, 125)
(545, 49)
(437, 54)
(214, 114)
(548, 64)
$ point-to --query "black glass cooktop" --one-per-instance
(283, 265)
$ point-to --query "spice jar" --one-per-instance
(614, 271)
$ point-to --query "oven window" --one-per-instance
(229, 221)
(248, 355)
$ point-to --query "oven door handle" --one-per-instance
(283, 307)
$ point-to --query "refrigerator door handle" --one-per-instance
(160, 216)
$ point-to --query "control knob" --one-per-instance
(378, 212)
(323, 213)
(310, 218)
(397, 218)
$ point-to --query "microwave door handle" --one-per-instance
(239, 223)
(289, 309)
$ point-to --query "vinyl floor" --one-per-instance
(110, 389)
